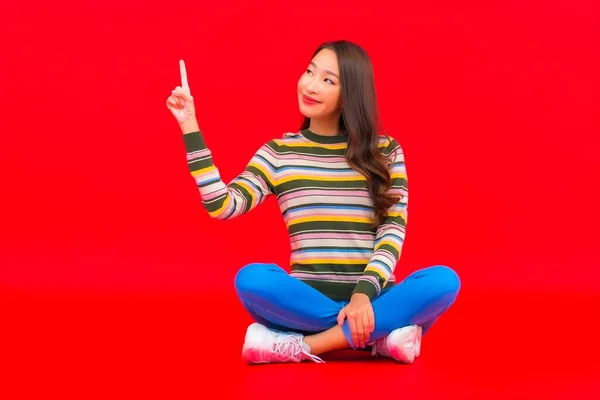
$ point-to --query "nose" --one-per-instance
(311, 85)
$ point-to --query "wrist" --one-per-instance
(189, 126)
(359, 295)
(365, 287)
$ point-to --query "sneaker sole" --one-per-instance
(418, 341)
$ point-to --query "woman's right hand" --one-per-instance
(181, 103)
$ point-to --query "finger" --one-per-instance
(171, 102)
(360, 329)
(172, 105)
(341, 317)
(179, 96)
(353, 329)
(180, 92)
(184, 79)
(366, 327)
(371, 321)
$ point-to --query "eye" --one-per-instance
(308, 71)
(329, 81)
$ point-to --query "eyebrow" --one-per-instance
(329, 72)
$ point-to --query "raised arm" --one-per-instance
(245, 192)
(242, 194)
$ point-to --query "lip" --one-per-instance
(309, 100)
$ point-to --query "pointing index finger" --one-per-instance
(184, 80)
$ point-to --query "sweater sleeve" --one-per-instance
(390, 234)
(242, 194)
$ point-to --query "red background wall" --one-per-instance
(496, 105)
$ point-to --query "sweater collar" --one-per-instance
(310, 135)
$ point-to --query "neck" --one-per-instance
(325, 128)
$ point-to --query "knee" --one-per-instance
(252, 277)
(446, 279)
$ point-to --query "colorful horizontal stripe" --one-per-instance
(324, 203)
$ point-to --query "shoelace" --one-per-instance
(289, 348)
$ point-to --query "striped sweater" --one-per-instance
(325, 205)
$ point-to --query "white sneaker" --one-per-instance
(263, 345)
(418, 341)
(403, 344)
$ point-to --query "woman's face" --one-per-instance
(321, 83)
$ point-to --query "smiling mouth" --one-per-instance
(309, 101)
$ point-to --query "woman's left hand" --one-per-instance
(360, 318)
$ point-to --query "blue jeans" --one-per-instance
(281, 302)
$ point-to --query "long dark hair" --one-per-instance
(360, 123)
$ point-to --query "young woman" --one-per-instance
(342, 191)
